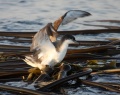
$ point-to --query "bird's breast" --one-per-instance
(60, 56)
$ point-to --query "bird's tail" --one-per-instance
(30, 61)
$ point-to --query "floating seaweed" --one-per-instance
(84, 62)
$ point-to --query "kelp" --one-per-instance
(22, 51)
(73, 32)
(106, 71)
(100, 85)
(61, 81)
(13, 47)
(15, 40)
(13, 74)
(81, 43)
(23, 91)
(12, 68)
(92, 49)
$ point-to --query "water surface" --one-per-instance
(32, 15)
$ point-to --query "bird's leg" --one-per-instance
(32, 73)
(64, 68)
(41, 77)
(44, 74)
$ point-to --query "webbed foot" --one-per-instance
(64, 68)
(32, 73)
(45, 74)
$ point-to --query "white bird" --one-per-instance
(47, 50)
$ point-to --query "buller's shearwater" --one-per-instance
(47, 50)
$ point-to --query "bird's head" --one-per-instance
(69, 39)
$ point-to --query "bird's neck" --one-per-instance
(62, 46)
(61, 51)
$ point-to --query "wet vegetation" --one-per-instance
(98, 58)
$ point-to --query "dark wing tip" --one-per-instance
(87, 13)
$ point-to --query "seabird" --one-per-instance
(47, 50)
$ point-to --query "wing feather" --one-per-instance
(72, 15)
(69, 16)
(44, 38)
(42, 43)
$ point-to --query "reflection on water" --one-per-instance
(31, 15)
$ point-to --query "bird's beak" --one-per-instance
(76, 42)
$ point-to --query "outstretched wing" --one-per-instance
(70, 16)
(42, 41)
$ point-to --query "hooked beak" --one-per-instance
(76, 42)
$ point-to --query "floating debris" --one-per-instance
(97, 59)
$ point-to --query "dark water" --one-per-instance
(32, 15)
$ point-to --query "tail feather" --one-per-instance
(30, 61)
